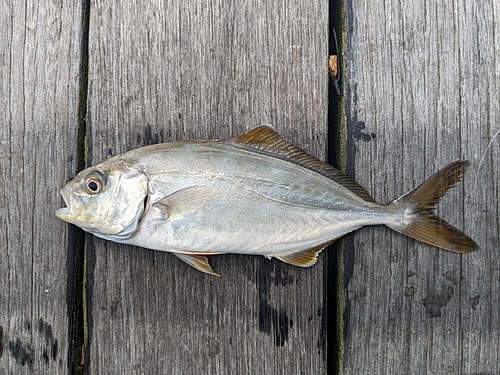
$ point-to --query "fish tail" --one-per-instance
(419, 220)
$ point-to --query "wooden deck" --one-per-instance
(81, 81)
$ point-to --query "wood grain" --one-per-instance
(421, 84)
(165, 71)
(40, 59)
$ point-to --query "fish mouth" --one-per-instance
(62, 213)
(72, 213)
(68, 213)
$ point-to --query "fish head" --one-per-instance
(107, 200)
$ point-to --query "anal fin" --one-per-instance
(200, 262)
(304, 258)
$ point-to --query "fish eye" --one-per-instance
(93, 184)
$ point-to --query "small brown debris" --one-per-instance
(333, 65)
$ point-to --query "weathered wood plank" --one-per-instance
(39, 88)
(421, 91)
(163, 71)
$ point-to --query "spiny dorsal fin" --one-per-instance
(266, 140)
(200, 262)
(304, 258)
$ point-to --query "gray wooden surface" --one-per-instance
(420, 82)
(421, 85)
(39, 96)
(203, 70)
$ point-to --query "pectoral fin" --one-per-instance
(184, 201)
(305, 258)
(200, 262)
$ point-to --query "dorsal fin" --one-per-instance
(266, 140)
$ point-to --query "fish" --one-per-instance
(256, 194)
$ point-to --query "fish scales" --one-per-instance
(257, 194)
(264, 205)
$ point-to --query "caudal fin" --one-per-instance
(419, 220)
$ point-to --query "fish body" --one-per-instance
(257, 194)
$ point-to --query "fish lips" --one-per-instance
(73, 207)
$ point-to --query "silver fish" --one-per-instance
(256, 194)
